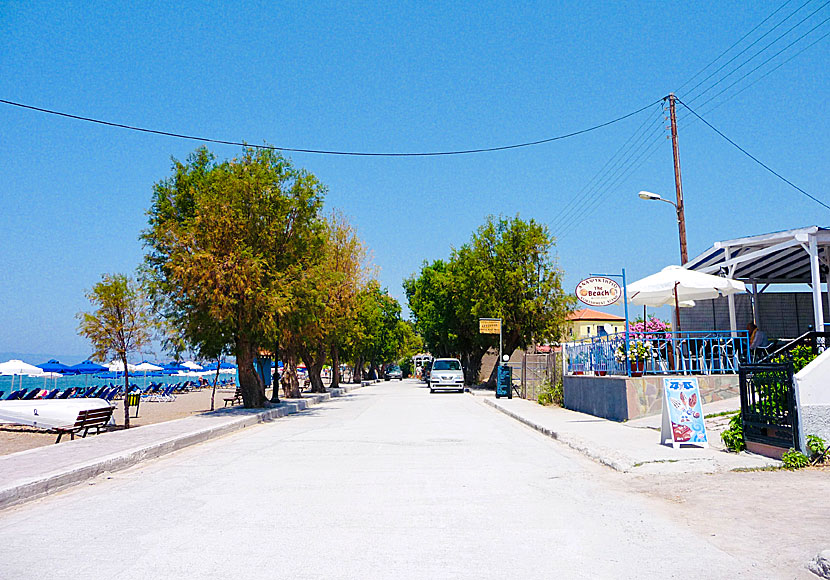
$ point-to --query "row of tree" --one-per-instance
(505, 271)
(242, 261)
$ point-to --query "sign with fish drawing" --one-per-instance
(682, 413)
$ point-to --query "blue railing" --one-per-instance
(708, 352)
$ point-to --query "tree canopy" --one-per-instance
(225, 240)
(505, 271)
(119, 324)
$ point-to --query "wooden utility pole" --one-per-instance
(681, 216)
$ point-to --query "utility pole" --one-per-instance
(681, 216)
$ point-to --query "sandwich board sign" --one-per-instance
(682, 413)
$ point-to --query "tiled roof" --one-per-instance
(589, 314)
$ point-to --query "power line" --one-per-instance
(779, 37)
(753, 43)
(755, 159)
(330, 152)
(610, 166)
(770, 71)
(820, 24)
(736, 43)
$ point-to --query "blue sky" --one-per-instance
(402, 77)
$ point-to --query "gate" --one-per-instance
(768, 408)
(534, 370)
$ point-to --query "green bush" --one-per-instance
(818, 448)
(550, 394)
(794, 459)
(733, 437)
(802, 355)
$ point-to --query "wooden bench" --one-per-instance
(87, 419)
(236, 399)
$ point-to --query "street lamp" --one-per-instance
(681, 221)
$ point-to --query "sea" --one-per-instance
(69, 381)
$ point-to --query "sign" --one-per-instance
(489, 325)
(504, 382)
(598, 291)
(682, 413)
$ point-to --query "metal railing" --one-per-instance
(657, 353)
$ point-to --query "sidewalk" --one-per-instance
(37, 472)
(632, 447)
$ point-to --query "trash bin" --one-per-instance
(133, 400)
(504, 382)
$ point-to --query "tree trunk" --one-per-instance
(215, 380)
(335, 367)
(314, 363)
(290, 382)
(251, 386)
(126, 390)
(357, 371)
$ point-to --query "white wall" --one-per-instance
(813, 398)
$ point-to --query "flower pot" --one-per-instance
(601, 373)
(637, 368)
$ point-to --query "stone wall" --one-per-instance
(622, 398)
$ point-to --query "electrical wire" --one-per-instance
(609, 166)
(331, 152)
(776, 67)
(822, 23)
(747, 61)
(753, 43)
(755, 159)
(736, 43)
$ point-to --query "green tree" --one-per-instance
(119, 324)
(223, 243)
(505, 271)
(377, 337)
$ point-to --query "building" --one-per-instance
(587, 323)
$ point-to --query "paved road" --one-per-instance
(386, 482)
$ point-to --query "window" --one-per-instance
(447, 365)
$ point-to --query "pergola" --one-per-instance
(786, 257)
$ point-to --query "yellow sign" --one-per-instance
(489, 325)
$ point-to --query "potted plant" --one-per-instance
(638, 351)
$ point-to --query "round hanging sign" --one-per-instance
(598, 291)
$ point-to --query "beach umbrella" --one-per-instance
(54, 366)
(18, 367)
(117, 366)
(88, 368)
(192, 365)
(678, 287)
(146, 367)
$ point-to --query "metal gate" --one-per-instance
(768, 408)
(530, 374)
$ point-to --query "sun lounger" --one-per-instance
(30, 395)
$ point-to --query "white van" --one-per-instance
(446, 373)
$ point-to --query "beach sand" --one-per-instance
(15, 438)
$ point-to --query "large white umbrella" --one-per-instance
(147, 367)
(117, 366)
(192, 365)
(18, 367)
(677, 286)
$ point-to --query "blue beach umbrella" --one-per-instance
(54, 366)
(88, 368)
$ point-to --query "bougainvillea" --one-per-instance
(642, 330)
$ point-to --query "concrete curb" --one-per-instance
(573, 443)
(17, 489)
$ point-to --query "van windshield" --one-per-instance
(446, 365)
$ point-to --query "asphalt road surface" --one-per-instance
(389, 481)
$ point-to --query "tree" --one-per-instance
(330, 309)
(378, 337)
(505, 271)
(223, 243)
(120, 323)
